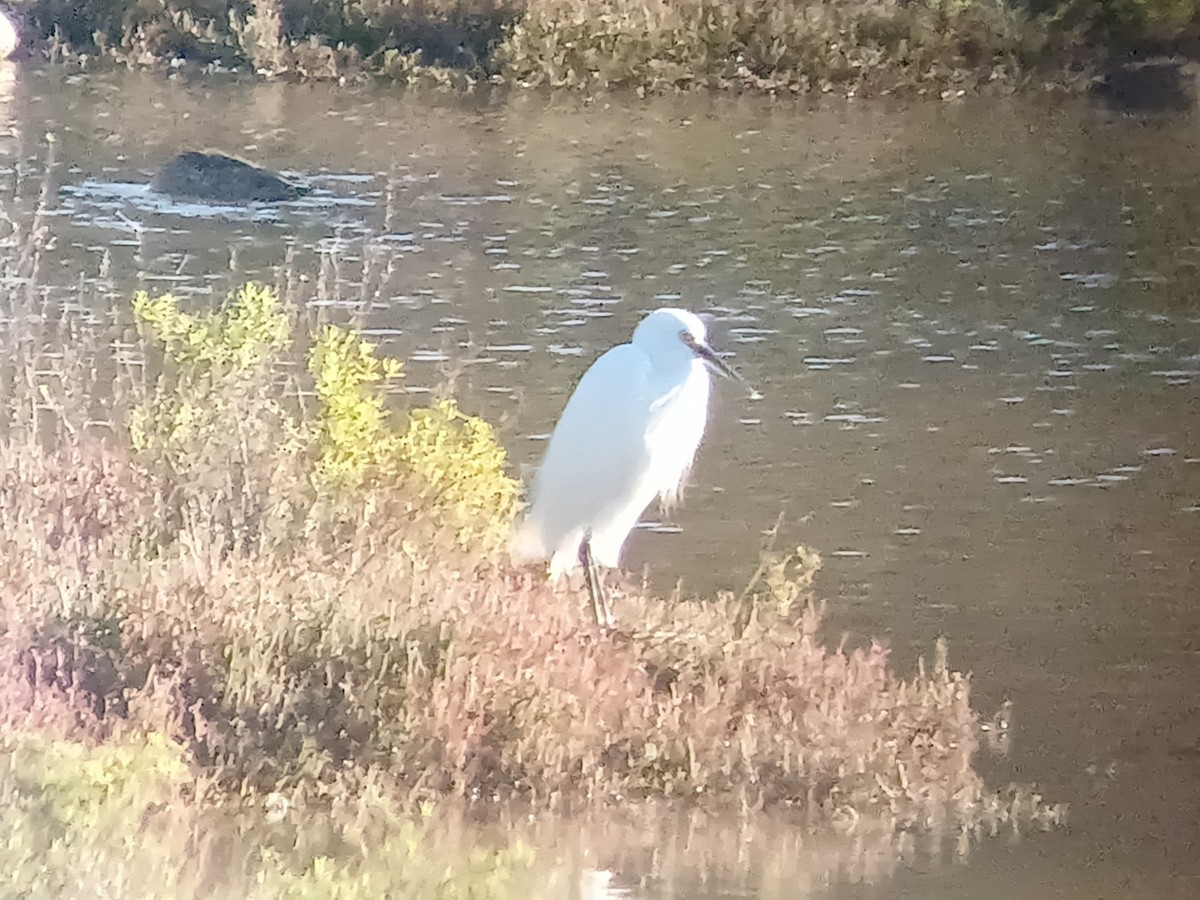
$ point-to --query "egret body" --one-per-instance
(628, 434)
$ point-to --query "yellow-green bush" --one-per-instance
(209, 426)
(203, 357)
(216, 403)
(449, 463)
(246, 332)
(459, 470)
(355, 442)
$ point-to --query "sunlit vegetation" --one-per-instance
(450, 462)
(254, 606)
(780, 45)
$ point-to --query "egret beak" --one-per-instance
(717, 364)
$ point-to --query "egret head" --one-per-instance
(677, 337)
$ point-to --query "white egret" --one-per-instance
(629, 433)
(10, 34)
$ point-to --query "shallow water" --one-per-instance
(975, 327)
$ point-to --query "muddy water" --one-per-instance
(976, 328)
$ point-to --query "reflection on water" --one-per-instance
(974, 326)
(658, 853)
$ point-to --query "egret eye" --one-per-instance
(688, 338)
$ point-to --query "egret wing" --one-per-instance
(595, 473)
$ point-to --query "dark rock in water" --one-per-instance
(1164, 85)
(214, 176)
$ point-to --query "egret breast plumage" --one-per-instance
(628, 434)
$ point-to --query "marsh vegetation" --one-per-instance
(777, 45)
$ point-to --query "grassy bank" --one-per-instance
(782, 45)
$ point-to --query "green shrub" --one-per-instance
(202, 357)
(216, 405)
(460, 474)
(448, 463)
(355, 442)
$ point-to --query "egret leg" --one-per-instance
(595, 586)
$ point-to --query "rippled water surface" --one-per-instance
(976, 329)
